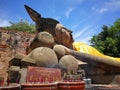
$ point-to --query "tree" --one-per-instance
(22, 25)
(108, 40)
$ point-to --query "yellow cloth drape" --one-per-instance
(82, 47)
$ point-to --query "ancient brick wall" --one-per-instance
(11, 43)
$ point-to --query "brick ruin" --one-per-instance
(12, 42)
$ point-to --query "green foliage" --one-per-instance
(108, 41)
(22, 25)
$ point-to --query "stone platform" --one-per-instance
(102, 87)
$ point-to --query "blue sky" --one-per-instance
(84, 17)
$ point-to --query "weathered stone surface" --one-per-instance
(25, 62)
(97, 74)
(45, 37)
(44, 57)
(13, 74)
(59, 50)
(12, 43)
(16, 61)
(69, 63)
(61, 34)
(3, 70)
(42, 39)
(116, 80)
(14, 68)
(23, 74)
(13, 77)
(100, 70)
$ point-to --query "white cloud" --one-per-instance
(85, 34)
(115, 4)
(68, 12)
(4, 23)
(102, 10)
(86, 40)
(81, 32)
(111, 5)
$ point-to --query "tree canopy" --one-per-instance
(108, 40)
(22, 25)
